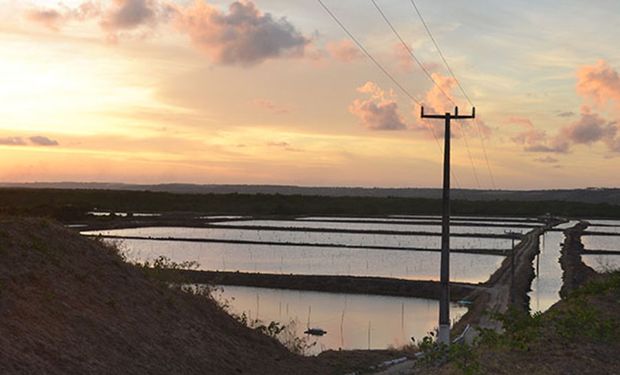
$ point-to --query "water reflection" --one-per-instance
(351, 239)
(312, 260)
(602, 263)
(548, 282)
(351, 321)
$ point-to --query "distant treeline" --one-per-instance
(73, 204)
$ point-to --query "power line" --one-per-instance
(484, 150)
(406, 46)
(360, 46)
(377, 63)
(449, 68)
(471, 160)
(413, 56)
(428, 31)
(389, 75)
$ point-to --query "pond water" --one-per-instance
(381, 225)
(312, 260)
(604, 225)
(601, 242)
(602, 263)
(548, 281)
(123, 214)
(349, 239)
(306, 259)
(351, 321)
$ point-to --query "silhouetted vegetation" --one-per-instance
(67, 205)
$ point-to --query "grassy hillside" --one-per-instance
(579, 335)
(70, 305)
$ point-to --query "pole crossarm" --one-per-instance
(455, 116)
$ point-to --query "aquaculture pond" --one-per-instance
(261, 246)
(351, 321)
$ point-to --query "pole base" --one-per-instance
(443, 336)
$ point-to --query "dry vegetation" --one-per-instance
(70, 305)
(578, 335)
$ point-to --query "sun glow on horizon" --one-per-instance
(163, 96)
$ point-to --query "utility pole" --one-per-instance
(444, 301)
(513, 235)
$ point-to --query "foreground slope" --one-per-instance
(578, 335)
(70, 305)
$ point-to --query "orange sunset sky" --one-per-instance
(274, 92)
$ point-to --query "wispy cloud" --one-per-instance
(547, 160)
(12, 141)
(50, 18)
(37, 140)
(113, 17)
(406, 63)
(590, 128)
(344, 51)
(278, 144)
(270, 106)
(40, 140)
(566, 114)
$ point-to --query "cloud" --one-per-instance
(405, 62)
(403, 58)
(284, 146)
(128, 14)
(380, 111)
(530, 135)
(50, 18)
(560, 147)
(37, 140)
(436, 98)
(243, 36)
(566, 114)
(599, 83)
(547, 159)
(344, 50)
(12, 141)
(270, 106)
(55, 19)
(278, 144)
(536, 140)
(113, 17)
(40, 140)
(588, 129)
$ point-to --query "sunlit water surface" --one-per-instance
(351, 321)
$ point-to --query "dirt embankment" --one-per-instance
(579, 335)
(498, 293)
(321, 283)
(70, 305)
(575, 272)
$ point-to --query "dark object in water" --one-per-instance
(315, 332)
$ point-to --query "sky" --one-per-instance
(275, 92)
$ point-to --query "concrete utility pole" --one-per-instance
(513, 236)
(444, 302)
